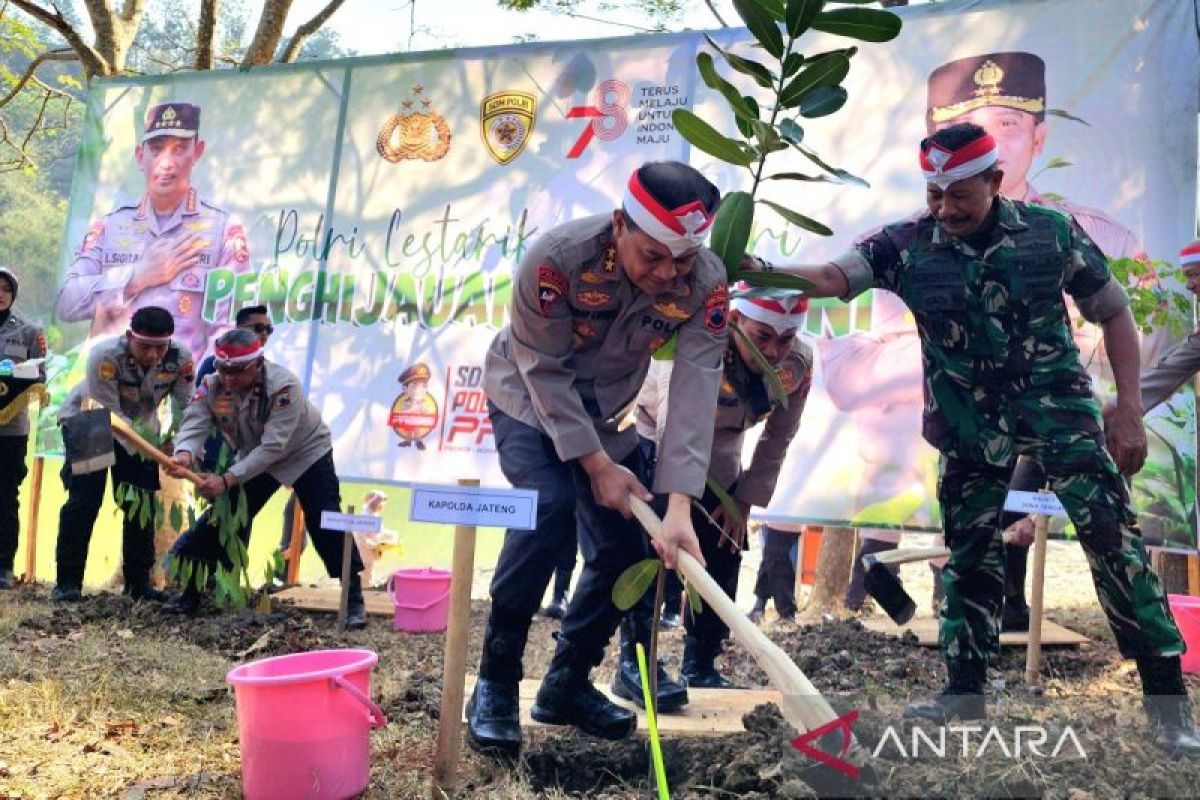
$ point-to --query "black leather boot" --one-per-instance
(356, 607)
(760, 608)
(494, 718)
(7, 580)
(627, 682)
(1015, 615)
(142, 590)
(556, 609)
(1167, 706)
(567, 697)
(698, 670)
(962, 698)
(493, 713)
(66, 593)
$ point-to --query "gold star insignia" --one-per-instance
(418, 88)
(407, 104)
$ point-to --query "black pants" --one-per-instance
(609, 544)
(776, 573)
(317, 490)
(564, 567)
(12, 473)
(85, 495)
(723, 564)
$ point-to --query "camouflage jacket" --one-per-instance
(999, 359)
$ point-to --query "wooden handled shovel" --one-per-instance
(122, 428)
(802, 705)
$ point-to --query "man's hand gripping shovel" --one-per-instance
(824, 736)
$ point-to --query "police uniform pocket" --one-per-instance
(16, 350)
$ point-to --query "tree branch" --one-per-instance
(305, 31)
(267, 34)
(713, 8)
(51, 55)
(205, 33)
(93, 63)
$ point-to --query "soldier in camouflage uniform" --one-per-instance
(985, 277)
(745, 400)
(160, 249)
(20, 340)
(131, 376)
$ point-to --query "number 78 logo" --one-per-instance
(607, 116)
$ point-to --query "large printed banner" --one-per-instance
(378, 207)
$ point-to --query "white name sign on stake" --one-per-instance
(1034, 503)
(480, 506)
(351, 523)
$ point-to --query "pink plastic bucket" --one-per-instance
(1186, 610)
(422, 599)
(304, 723)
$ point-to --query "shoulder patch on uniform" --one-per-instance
(93, 235)
(284, 398)
(40, 342)
(552, 285)
(200, 394)
(188, 371)
(235, 237)
(107, 370)
(716, 308)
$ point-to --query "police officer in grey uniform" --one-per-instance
(745, 400)
(592, 300)
(160, 249)
(20, 340)
(278, 439)
(1182, 361)
(130, 375)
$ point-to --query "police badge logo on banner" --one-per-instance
(506, 121)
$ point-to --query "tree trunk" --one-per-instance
(206, 31)
(267, 35)
(1172, 569)
(834, 562)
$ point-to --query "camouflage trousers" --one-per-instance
(1080, 471)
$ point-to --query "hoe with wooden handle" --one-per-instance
(802, 705)
(122, 429)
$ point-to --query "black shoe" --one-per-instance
(962, 698)
(186, 603)
(756, 613)
(493, 718)
(1171, 720)
(1015, 616)
(566, 698)
(670, 621)
(7, 579)
(557, 608)
(356, 612)
(627, 684)
(699, 670)
(146, 592)
(66, 593)
(1166, 703)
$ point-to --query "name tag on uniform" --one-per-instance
(1034, 503)
(483, 506)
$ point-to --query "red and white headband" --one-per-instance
(228, 354)
(144, 339)
(944, 167)
(781, 313)
(1190, 254)
(680, 229)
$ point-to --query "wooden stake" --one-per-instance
(35, 502)
(347, 552)
(1194, 575)
(295, 542)
(454, 672)
(1033, 654)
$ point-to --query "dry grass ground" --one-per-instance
(110, 699)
